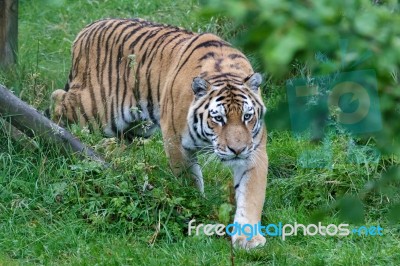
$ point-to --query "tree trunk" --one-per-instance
(8, 32)
(28, 120)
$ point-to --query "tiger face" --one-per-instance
(230, 117)
(232, 124)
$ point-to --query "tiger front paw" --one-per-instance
(244, 242)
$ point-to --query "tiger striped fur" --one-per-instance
(201, 91)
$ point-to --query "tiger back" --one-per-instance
(130, 76)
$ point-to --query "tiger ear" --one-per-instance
(200, 87)
(254, 81)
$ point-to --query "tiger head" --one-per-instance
(230, 117)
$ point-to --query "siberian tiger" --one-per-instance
(201, 91)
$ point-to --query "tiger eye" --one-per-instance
(218, 118)
(247, 116)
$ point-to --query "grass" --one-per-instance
(58, 210)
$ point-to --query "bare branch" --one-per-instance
(28, 120)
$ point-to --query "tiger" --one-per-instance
(197, 88)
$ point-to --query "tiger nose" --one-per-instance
(237, 151)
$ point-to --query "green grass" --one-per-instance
(56, 209)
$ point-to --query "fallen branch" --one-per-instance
(29, 121)
(17, 135)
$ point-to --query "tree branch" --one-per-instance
(28, 120)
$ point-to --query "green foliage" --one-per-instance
(280, 31)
